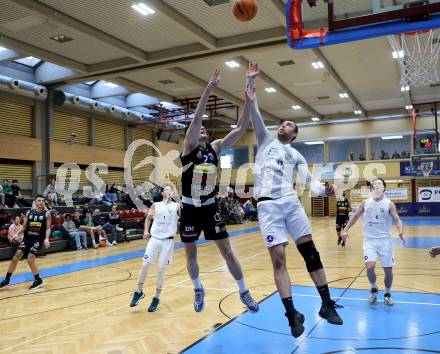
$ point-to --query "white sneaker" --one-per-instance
(373, 296)
(109, 244)
(388, 300)
(114, 243)
(119, 229)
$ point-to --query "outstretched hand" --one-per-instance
(330, 189)
(215, 80)
(253, 71)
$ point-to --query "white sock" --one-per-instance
(388, 290)
(374, 285)
(241, 285)
(142, 276)
(159, 283)
(197, 283)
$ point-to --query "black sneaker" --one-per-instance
(136, 298)
(4, 284)
(329, 313)
(339, 240)
(296, 320)
(343, 244)
(153, 305)
(38, 283)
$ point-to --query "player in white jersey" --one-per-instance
(379, 212)
(160, 246)
(280, 212)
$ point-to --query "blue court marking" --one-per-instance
(412, 323)
(78, 266)
(418, 242)
(421, 221)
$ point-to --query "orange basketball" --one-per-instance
(244, 10)
(102, 243)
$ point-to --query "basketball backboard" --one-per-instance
(353, 20)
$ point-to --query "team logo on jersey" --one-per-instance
(269, 238)
(366, 257)
(41, 217)
(35, 218)
(382, 210)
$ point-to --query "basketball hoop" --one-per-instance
(418, 54)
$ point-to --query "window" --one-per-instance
(29, 61)
(398, 148)
(346, 150)
(238, 156)
(312, 153)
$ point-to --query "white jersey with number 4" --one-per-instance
(165, 220)
(377, 218)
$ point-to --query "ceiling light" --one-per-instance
(61, 38)
(343, 95)
(314, 142)
(2, 49)
(404, 88)
(357, 111)
(398, 54)
(296, 107)
(204, 116)
(409, 106)
(315, 119)
(392, 137)
(143, 9)
(318, 65)
(233, 126)
(111, 84)
(270, 89)
(164, 103)
(232, 64)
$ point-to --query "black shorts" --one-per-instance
(31, 246)
(206, 218)
(341, 222)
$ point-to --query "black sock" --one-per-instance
(37, 276)
(288, 304)
(8, 277)
(324, 293)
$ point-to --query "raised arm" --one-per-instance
(360, 210)
(192, 135)
(307, 178)
(396, 219)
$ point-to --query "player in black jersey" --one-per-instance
(200, 212)
(343, 209)
(36, 234)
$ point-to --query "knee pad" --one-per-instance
(310, 255)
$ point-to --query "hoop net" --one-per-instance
(418, 54)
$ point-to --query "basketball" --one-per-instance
(102, 243)
(244, 10)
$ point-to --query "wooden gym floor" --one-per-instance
(84, 306)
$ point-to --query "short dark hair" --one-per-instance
(379, 179)
(14, 181)
(67, 216)
(39, 196)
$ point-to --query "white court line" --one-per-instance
(174, 286)
(307, 295)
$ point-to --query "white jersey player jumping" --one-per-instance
(379, 212)
(160, 246)
(280, 212)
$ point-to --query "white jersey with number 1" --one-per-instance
(377, 218)
(165, 220)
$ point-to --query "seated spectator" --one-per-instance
(234, 213)
(9, 196)
(382, 155)
(362, 157)
(99, 198)
(86, 209)
(114, 219)
(91, 228)
(111, 193)
(2, 196)
(250, 211)
(103, 221)
(80, 237)
(51, 192)
(17, 194)
(386, 156)
(395, 155)
(350, 156)
(50, 205)
(15, 231)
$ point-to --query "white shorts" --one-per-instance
(281, 217)
(161, 250)
(379, 247)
